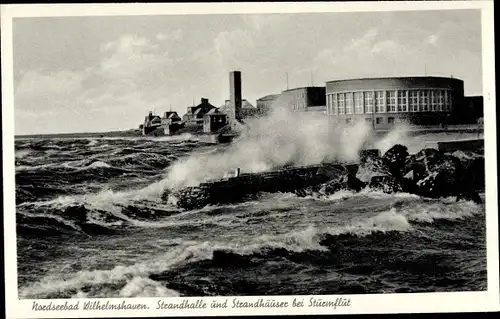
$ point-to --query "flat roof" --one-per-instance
(269, 96)
(305, 87)
(397, 77)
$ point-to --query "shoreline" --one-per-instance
(412, 131)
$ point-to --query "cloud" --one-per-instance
(111, 79)
(133, 58)
(130, 79)
(432, 39)
(175, 35)
(34, 83)
(235, 49)
(390, 47)
(265, 22)
(371, 54)
(365, 41)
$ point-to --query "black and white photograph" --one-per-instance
(250, 154)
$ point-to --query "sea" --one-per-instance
(91, 222)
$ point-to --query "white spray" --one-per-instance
(281, 138)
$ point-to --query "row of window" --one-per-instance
(389, 101)
(378, 120)
(298, 106)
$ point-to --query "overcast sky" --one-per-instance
(84, 74)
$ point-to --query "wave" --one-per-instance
(98, 164)
(144, 201)
(21, 153)
(91, 217)
(42, 167)
(92, 142)
(432, 211)
(366, 192)
(132, 281)
(144, 160)
(312, 243)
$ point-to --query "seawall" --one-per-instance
(234, 189)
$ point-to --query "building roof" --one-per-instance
(269, 97)
(397, 77)
(215, 114)
(247, 105)
(171, 114)
(305, 87)
(202, 108)
(213, 111)
(244, 105)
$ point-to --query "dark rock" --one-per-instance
(394, 160)
(434, 174)
(372, 166)
(334, 185)
(331, 172)
(428, 153)
(419, 163)
(387, 184)
(355, 184)
(341, 182)
(415, 168)
(367, 155)
(443, 177)
(192, 197)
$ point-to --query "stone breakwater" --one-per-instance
(428, 173)
(247, 186)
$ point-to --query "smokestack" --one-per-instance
(235, 95)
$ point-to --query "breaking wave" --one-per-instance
(134, 280)
(91, 222)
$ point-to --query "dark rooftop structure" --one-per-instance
(247, 109)
(194, 114)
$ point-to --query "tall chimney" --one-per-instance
(235, 95)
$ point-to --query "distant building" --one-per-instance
(171, 117)
(195, 114)
(214, 121)
(303, 99)
(265, 103)
(247, 109)
(386, 101)
(171, 122)
(151, 123)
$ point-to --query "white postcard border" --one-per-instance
(361, 304)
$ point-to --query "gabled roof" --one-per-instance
(171, 114)
(247, 105)
(213, 111)
(202, 108)
(156, 118)
(244, 105)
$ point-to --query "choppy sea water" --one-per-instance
(91, 223)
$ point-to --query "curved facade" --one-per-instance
(386, 101)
